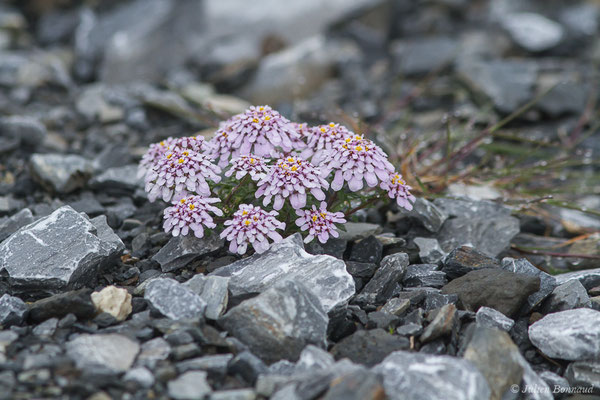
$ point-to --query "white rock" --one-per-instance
(114, 301)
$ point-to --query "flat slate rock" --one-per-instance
(523, 266)
(278, 323)
(466, 259)
(181, 251)
(112, 351)
(13, 310)
(385, 280)
(9, 225)
(490, 318)
(326, 276)
(419, 376)
(496, 288)
(61, 173)
(568, 335)
(213, 290)
(63, 250)
(117, 180)
(589, 278)
(173, 299)
(77, 302)
(369, 347)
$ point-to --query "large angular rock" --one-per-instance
(279, 323)
(466, 259)
(213, 290)
(428, 214)
(496, 356)
(117, 180)
(77, 302)
(589, 278)
(490, 318)
(567, 296)
(584, 374)
(180, 251)
(547, 281)
(484, 225)
(189, 386)
(9, 225)
(61, 251)
(533, 32)
(495, 288)
(568, 335)
(507, 83)
(61, 173)
(420, 376)
(326, 276)
(110, 351)
(174, 300)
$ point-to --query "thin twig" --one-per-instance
(554, 254)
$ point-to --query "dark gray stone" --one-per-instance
(495, 288)
(490, 318)
(213, 290)
(9, 225)
(326, 276)
(496, 356)
(437, 300)
(396, 306)
(430, 251)
(26, 130)
(442, 324)
(77, 302)
(334, 247)
(424, 55)
(547, 282)
(61, 173)
(181, 251)
(369, 347)
(278, 323)
(356, 385)
(422, 377)
(382, 285)
(361, 269)
(248, 366)
(117, 180)
(61, 251)
(465, 259)
(424, 275)
(369, 250)
(507, 83)
(13, 310)
(589, 278)
(567, 296)
(568, 335)
(584, 374)
(567, 97)
(174, 300)
(430, 215)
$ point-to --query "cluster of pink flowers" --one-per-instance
(291, 177)
(288, 163)
(191, 213)
(252, 225)
(319, 222)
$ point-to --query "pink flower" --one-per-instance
(399, 190)
(299, 137)
(260, 130)
(190, 213)
(319, 223)
(252, 225)
(157, 150)
(323, 137)
(250, 164)
(354, 159)
(291, 177)
(179, 173)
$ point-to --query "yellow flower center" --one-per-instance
(322, 215)
(348, 140)
(255, 218)
(261, 109)
(185, 153)
(181, 160)
(314, 218)
(192, 206)
(224, 134)
(358, 148)
(290, 159)
(162, 143)
(331, 124)
(323, 130)
(294, 168)
(244, 212)
(255, 120)
(252, 161)
(169, 156)
(247, 222)
(182, 201)
(357, 137)
(267, 118)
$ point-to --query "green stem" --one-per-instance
(363, 205)
(235, 189)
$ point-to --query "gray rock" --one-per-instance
(153, 351)
(278, 323)
(442, 324)
(117, 180)
(313, 358)
(10, 205)
(13, 310)
(420, 376)
(495, 288)
(523, 266)
(76, 302)
(567, 296)
(112, 351)
(435, 300)
(533, 32)
(141, 376)
(490, 318)
(368, 250)
(568, 335)
(32, 69)
(424, 55)
(581, 20)
(189, 386)
(326, 276)
(589, 278)
(213, 290)
(483, 225)
(61, 173)
(215, 365)
(465, 259)
(430, 215)
(26, 130)
(584, 374)
(234, 394)
(555, 381)
(382, 285)
(174, 300)
(396, 306)
(567, 97)
(496, 356)
(424, 275)
(61, 251)
(359, 230)
(369, 347)
(356, 385)
(46, 328)
(180, 251)
(94, 103)
(247, 366)
(430, 251)
(507, 83)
